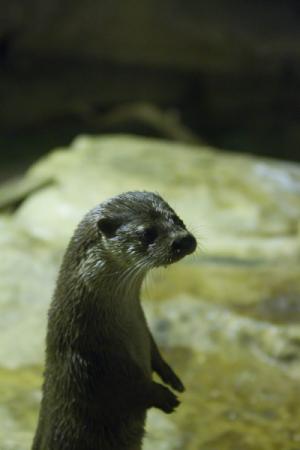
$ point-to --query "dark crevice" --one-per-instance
(14, 193)
(7, 41)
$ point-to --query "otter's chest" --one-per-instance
(135, 338)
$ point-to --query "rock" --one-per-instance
(259, 211)
(228, 318)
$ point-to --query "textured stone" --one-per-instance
(228, 318)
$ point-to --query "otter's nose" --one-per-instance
(184, 245)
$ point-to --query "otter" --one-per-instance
(100, 354)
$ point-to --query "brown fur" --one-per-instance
(99, 352)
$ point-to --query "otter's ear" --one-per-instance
(108, 226)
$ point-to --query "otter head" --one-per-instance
(139, 229)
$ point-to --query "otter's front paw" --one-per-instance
(165, 399)
(169, 377)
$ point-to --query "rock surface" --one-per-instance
(228, 318)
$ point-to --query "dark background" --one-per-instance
(222, 72)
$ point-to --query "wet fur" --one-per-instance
(100, 354)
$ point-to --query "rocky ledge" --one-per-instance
(229, 317)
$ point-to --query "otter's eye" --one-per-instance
(149, 235)
(108, 226)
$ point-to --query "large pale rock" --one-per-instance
(240, 206)
(227, 318)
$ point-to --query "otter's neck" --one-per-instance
(109, 297)
(111, 285)
(119, 284)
